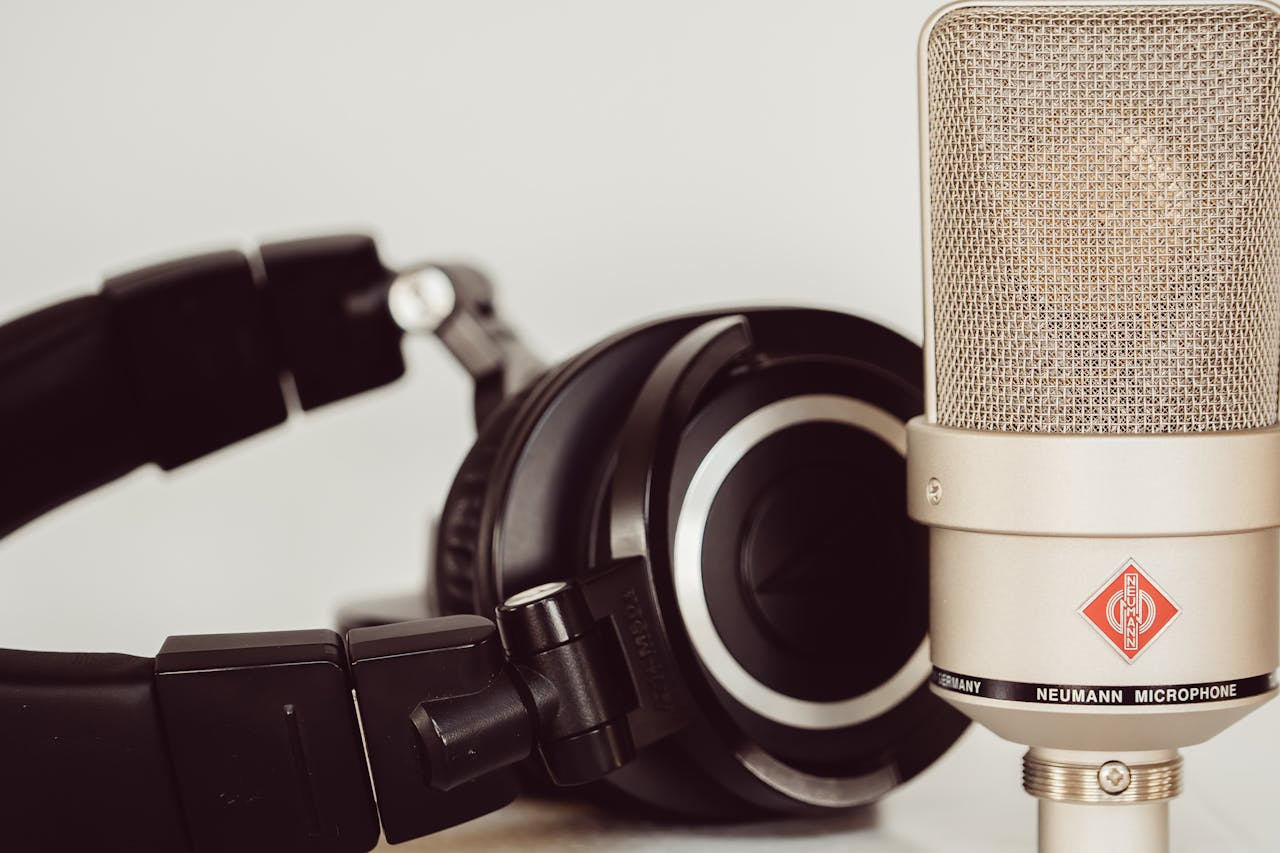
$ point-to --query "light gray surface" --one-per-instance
(968, 803)
(605, 162)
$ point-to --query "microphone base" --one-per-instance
(1103, 801)
(1075, 827)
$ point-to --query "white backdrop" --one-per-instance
(604, 162)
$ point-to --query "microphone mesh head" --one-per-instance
(1103, 203)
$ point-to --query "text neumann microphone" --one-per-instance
(1099, 459)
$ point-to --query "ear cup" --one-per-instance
(530, 505)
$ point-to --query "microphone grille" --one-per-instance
(1103, 206)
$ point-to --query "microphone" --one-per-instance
(1099, 459)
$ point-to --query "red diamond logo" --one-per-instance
(1130, 611)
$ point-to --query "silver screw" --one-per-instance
(934, 491)
(536, 593)
(1114, 777)
(421, 299)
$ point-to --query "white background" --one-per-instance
(604, 162)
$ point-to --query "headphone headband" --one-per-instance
(172, 362)
(164, 365)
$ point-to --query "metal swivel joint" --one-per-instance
(579, 672)
(563, 690)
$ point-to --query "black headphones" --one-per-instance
(687, 547)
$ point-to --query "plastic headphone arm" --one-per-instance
(455, 303)
(578, 674)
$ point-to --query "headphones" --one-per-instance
(676, 566)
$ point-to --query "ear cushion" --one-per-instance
(664, 781)
(454, 567)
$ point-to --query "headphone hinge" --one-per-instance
(553, 642)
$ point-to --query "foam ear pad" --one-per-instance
(454, 568)
(663, 780)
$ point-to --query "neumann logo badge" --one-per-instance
(1130, 611)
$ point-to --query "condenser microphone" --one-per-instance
(1099, 460)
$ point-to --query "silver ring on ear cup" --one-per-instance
(687, 568)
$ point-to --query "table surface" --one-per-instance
(969, 802)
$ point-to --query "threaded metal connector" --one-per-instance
(1110, 782)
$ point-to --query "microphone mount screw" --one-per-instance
(934, 491)
(1114, 777)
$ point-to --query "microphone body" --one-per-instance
(1099, 460)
